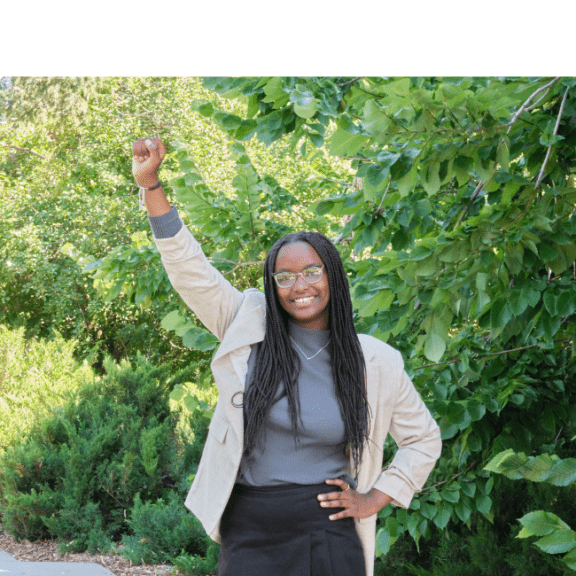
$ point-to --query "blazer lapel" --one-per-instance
(246, 329)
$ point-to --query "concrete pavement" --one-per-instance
(12, 567)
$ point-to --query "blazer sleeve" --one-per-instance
(419, 445)
(203, 288)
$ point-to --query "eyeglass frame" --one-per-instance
(296, 274)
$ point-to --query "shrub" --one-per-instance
(162, 530)
(77, 474)
(36, 376)
(195, 565)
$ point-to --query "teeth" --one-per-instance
(305, 299)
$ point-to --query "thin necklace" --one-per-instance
(303, 350)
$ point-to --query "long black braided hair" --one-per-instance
(278, 362)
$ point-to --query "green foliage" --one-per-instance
(557, 537)
(457, 229)
(482, 548)
(196, 565)
(162, 531)
(79, 470)
(35, 378)
(451, 201)
(542, 468)
(67, 191)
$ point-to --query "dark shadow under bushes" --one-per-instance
(108, 465)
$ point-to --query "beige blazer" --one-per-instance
(238, 320)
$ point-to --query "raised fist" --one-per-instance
(147, 155)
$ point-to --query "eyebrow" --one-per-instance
(291, 272)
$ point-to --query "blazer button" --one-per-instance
(238, 403)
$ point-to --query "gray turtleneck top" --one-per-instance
(319, 452)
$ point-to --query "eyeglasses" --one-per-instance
(312, 275)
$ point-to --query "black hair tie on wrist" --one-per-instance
(155, 186)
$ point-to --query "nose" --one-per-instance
(300, 281)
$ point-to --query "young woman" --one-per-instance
(291, 478)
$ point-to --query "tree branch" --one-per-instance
(487, 355)
(541, 174)
(524, 108)
(466, 208)
(379, 211)
(23, 149)
(237, 264)
(350, 81)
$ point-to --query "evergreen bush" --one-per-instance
(76, 475)
(36, 376)
(162, 530)
(195, 565)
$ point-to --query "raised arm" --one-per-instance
(147, 156)
(203, 288)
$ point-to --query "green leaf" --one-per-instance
(483, 504)
(428, 510)
(540, 523)
(305, 105)
(442, 518)
(548, 253)
(558, 542)
(407, 182)
(570, 560)
(503, 155)
(206, 341)
(388, 535)
(469, 488)
(530, 294)
(398, 87)
(427, 267)
(476, 409)
(419, 253)
(381, 301)
(463, 511)
(376, 174)
(434, 347)
(565, 304)
(496, 462)
(485, 168)
(387, 159)
(177, 393)
(370, 235)
(563, 473)
(275, 92)
(447, 429)
(316, 139)
(306, 111)
(431, 178)
(500, 314)
(450, 253)
(517, 302)
(550, 324)
(374, 120)
(450, 495)
(343, 143)
(481, 281)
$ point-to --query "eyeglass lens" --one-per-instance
(287, 279)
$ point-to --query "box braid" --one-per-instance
(278, 362)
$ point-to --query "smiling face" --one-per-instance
(307, 304)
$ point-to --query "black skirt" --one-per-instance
(283, 531)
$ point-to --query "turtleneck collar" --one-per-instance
(306, 337)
